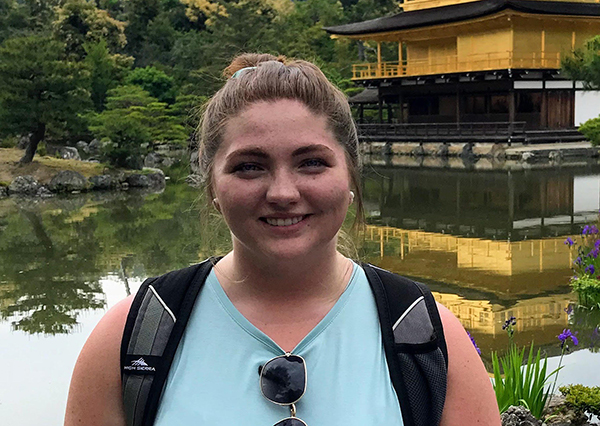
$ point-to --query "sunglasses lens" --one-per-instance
(283, 381)
(291, 421)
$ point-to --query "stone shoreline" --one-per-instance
(68, 181)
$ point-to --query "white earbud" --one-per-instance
(351, 197)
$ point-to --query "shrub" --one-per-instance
(582, 399)
(588, 291)
(591, 130)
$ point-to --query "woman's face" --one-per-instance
(281, 181)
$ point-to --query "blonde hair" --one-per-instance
(266, 77)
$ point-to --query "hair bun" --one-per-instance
(250, 60)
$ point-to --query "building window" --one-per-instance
(499, 104)
(425, 105)
(529, 102)
(475, 104)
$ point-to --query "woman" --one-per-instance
(279, 155)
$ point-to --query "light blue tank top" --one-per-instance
(214, 379)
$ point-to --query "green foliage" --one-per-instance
(586, 266)
(588, 291)
(155, 82)
(582, 399)
(8, 142)
(132, 121)
(106, 70)
(584, 64)
(38, 85)
(591, 130)
(79, 22)
(519, 384)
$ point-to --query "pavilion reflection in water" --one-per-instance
(484, 282)
(489, 244)
(495, 204)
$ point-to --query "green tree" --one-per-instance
(584, 64)
(132, 121)
(106, 71)
(79, 22)
(40, 90)
(154, 81)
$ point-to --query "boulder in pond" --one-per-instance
(102, 182)
(519, 416)
(68, 181)
(44, 192)
(24, 185)
(138, 180)
(69, 153)
(156, 178)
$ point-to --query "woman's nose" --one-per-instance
(282, 189)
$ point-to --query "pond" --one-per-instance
(490, 244)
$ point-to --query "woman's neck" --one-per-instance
(313, 277)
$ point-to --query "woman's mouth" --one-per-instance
(283, 222)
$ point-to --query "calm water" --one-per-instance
(489, 244)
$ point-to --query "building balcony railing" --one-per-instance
(455, 63)
(410, 5)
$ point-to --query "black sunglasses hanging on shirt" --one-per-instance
(283, 382)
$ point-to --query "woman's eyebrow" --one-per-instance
(249, 152)
(311, 148)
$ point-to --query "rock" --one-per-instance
(24, 185)
(23, 141)
(442, 150)
(419, 151)
(3, 192)
(82, 146)
(528, 157)
(519, 416)
(69, 153)
(467, 151)
(153, 159)
(95, 146)
(498, 151)
(555, 155)
(156, 179)
(137, 180)
(68, 181)
(101, 182)
(559, 414)
(44, 192)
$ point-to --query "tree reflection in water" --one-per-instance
(53, 253)
(48, 271)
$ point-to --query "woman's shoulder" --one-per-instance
(95, 392)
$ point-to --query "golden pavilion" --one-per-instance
(457, 61)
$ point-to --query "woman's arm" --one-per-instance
(470, 398)
(95, 396)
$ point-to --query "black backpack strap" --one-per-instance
(414, 344)
(155, 324)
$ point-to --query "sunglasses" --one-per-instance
(283, 382)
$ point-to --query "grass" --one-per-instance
(42, 168)
(522, 382)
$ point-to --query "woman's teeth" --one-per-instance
(283, 222)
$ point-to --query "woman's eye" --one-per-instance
(246, 168)
(314, 163)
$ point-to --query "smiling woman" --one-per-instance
(283, 330)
